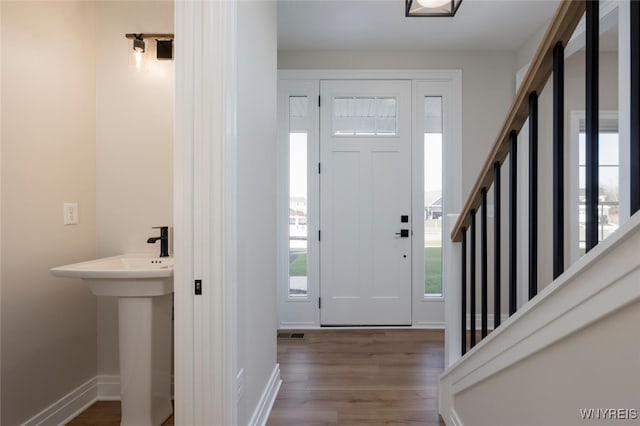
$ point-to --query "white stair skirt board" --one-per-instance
(265, 404)
(67, 407)
(600, 283)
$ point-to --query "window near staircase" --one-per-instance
(298, 259)
(609, 184)
(433, 196)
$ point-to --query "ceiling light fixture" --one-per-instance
(431, 7)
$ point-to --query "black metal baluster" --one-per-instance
(472, 278)
(496, 245)
(533, 195)
(591, 122)
(463, 294)
(513, 221)
(558, 160)
(635, 107)
(483, 266)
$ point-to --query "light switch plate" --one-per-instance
(70, 211)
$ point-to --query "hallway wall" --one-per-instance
(48, 158)
(256, 198)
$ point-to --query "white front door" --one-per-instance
(365, 202)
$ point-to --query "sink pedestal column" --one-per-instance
(145, 359)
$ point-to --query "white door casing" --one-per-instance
(365, 188)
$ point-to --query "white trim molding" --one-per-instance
(204, 175)
(108, 387)
(267, 399)
(600, 283)
(67, 407)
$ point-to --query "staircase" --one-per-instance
(572, 352)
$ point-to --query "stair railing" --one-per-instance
(548, 59)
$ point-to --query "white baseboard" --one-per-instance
(67, 407)
(417, 325)
(108, 387)
(263, 409)
(103, 387)
(431, 325)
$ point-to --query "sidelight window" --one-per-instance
(433, 196)
(298, 199)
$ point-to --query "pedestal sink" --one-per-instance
(144, 285)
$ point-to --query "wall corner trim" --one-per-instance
(268, 398)
(67, 407)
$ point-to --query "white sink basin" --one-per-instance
(128, 275)
(143, 284)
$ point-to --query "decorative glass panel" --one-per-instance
(364, 116)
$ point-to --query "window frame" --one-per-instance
(572, 184)
(295, 311)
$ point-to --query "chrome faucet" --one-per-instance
(164, 240)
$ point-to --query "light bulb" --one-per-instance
(138, 56)
(433, 4)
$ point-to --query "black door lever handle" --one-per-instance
(404, 233)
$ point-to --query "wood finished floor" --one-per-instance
(353, 377)
(104, 413)
(344, 377)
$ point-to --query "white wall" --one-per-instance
(594, 368)
(574, 101)
(134, 140)
(256, 202)
(48, 158)
(525, 53)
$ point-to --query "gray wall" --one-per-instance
(256, 197)
(48, 158)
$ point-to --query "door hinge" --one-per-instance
(318, 101)
(319, 302)
(319, 168)
(318, 235)
(198, 287)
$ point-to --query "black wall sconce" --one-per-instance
(431, 7)
(164, 44)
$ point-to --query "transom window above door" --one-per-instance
(364, 116)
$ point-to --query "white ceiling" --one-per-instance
(381, 25)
